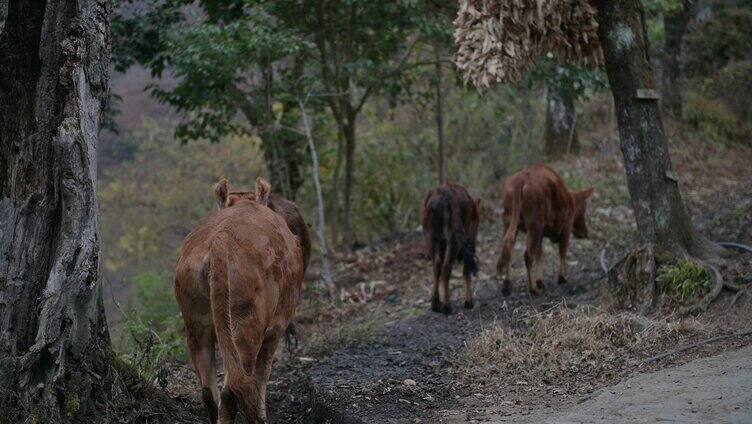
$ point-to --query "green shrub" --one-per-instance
(683, 281)
(153, 329)
(713, 119)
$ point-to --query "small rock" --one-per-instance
(409, 382)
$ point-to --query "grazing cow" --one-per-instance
(238, 283)
(450, 230)
(536, 201)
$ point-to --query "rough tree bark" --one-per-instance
(54, 63)
(561, 124)
(675, 27)
(664, 226)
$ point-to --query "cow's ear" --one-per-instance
(263, 189)
(585, 194)
(220, 193)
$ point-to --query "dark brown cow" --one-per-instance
(450, 230)
(536, 201)
(238, 283)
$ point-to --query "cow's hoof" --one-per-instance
(562, 279)
(506, 288)
(436, 305)
(469, 304)
(446, 309)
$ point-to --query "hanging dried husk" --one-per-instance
(497, 40)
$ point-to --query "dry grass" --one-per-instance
(562, 341)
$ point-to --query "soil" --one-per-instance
(716, 389)
(377, 354)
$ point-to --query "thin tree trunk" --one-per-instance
(321, 230)
(561, 124)
(662, 219)
(334, 193)
(675, 27)
(54, 343)
(349, 178)
(440, 115)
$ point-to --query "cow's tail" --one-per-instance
(515, 211)
(228, 337)
(459, 239)
(220, 305)
(434, 224)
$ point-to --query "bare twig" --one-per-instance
(694, 345)
(603, 260)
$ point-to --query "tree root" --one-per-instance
(694, 345)
(702, 304)
(718, 285)
(737, 246)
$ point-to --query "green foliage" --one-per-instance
(149, 204)
(724, 38)
(153, 329)
(733, 86)
(576, 81)
(684, 280)
(713, 119)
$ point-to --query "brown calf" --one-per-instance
(289, 211)
(536, 201)
(450, 230)
(237, 283)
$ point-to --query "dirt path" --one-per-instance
(406, 369)
(716, 389)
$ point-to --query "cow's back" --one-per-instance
(251, 239)
(541, 195)
(294, 219)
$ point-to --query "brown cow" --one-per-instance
(536, 201)
(289, 211)
(450, 230)
(237, 283)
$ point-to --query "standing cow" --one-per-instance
(536, 201)
(238, 283)
(450, 230)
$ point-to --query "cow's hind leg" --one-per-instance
(504, 265)
(438, 261)
(446, 274)
(247, 337)
(534, 260)
(201, 339)
(264, 367)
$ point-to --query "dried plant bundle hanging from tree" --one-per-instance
(497, 40)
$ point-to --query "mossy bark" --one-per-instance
(662, 219)
(54, 343)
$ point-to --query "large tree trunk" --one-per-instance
(54, 65)
(675, 27)
(561, 124)
(661, 217)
